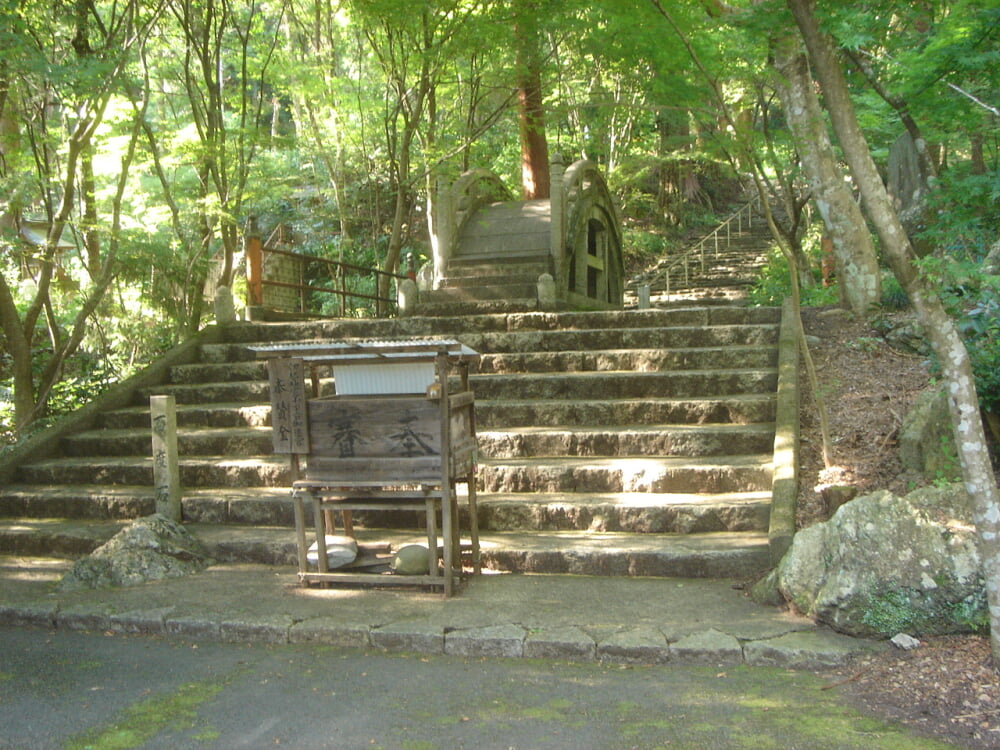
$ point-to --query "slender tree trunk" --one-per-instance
(531, 111)
(967, 422)
(852, 243)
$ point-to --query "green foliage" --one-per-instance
(643, 247)
(973, 299)
(774, 285)
(893, 296)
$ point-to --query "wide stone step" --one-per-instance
(201, 471)
(235, 415)
(469, 325)
(636, 512)
(739, 409)
(637, 360)
(610, 339)
(687, 474)
(713, 555)
(270, 506)
(232, 371)
(653, 440)
(624, 385)
(483, 290)
(209, 393)
(223, 441)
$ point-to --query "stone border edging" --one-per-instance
(785, 482)
(798, 649)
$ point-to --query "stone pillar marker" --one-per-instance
(557, 205)
(166, 472)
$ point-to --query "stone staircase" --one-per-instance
(733, 259)
(611, 443)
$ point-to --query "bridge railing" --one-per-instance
(677, 270)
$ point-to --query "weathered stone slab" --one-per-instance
(28, 615)
(418, 637)
(330, 631)
(257, 629)
(194, 627)
(817, 649)
(560, 643)
(644, 645)
(494, 641)
(711, 647)
(141, 622)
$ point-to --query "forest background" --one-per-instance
(140, 140)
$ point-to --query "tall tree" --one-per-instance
(70, 67)
(859, 274)
(967, 423)
(530, 97)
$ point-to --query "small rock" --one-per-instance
(904, 642)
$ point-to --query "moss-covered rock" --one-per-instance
(885, 564)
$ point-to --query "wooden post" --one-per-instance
(166, 472)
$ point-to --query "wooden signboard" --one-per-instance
(289, 423)
(384, 438)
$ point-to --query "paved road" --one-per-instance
(78, 690)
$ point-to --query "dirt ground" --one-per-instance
(946, 688)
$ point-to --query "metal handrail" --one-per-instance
(338, 271)
(685, 259)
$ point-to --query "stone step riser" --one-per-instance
(462, 326)
(641, 360)
(640, 338)
(248, 392)
(206, 415)
(683, 384)
(139, 444)
(492, 444)
(532, 513)
(558, 478)
(194, 473)
(672, 519)
(625, 385)
(636, 360)
(735, 564)
(202, 508)
(739, 563)
(500, 414)
(483, 290)
(540, 476)
(703, 441)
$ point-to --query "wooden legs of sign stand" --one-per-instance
(427, 500)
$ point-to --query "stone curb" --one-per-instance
(807, 649)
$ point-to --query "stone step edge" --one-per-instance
(75, 493)
(491, 433)
(702, 555)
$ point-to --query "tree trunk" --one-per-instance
(852, 243)
(530, 110)
(967, 423)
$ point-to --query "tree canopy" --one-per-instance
(138, 141)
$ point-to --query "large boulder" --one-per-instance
(885, 564)
(151, 548)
